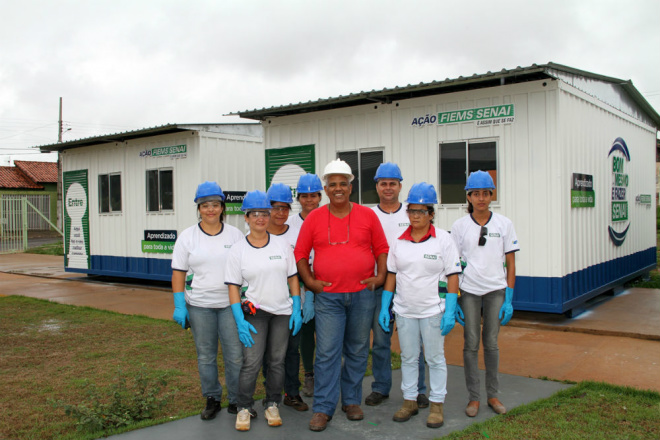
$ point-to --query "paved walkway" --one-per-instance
(617, 340)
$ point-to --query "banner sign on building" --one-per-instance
(158, 242)
(643, 199)
(233, 202)
(492, 115)
(76, 219)
(582, 191)
(173, 152)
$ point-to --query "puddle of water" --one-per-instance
(50, 325)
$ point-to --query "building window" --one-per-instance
(110, 192)
(364, 164)
(160, 190)
(458, 160)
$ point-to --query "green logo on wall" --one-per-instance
(620, 155)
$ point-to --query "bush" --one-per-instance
(127, 404)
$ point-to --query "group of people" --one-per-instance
(318, 283)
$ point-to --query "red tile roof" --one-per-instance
(41, 172)
(14, 178)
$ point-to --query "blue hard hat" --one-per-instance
(279, 192)
(388, 170)
(309, 183)
(479, 180)
(255, 200)
(208, 189)
(422, 194)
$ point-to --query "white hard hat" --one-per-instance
(337, 166)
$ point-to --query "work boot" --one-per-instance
(422, 401)
(308, 388)
(212, 408)
(353, 412)
(435, 418)
(319, 421)
(472, 408)
(375, 398)
(296, 402)
(496, 405)
(408, 410)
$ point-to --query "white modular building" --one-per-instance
(126, 196)
(572, 154)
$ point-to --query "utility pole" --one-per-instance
(60, 126)
(59, 172)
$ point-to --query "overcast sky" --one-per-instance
(124, 65)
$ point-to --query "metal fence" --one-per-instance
(18, 214)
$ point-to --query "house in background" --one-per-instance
(38, 182)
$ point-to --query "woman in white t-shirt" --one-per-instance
(266, 263)
(201, 251)
(487, 244)
(418, 260)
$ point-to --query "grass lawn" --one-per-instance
(589, 410)
(54, 352)
(48, 249)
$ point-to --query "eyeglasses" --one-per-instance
(257, 214)
(348, 231)
(482, 236)
(280, 208)
(416, 212)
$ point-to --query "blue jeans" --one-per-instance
(343, 323)
(472, 306)
(381, 356)
(427, 331)
(271, 341)
(208, 326)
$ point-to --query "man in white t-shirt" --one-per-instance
(395, 221)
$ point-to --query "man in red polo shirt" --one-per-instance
(348, 240)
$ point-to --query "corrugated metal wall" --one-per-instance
(416, 150)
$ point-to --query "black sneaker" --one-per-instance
(232, 408)
(375, 398)
(212, 408)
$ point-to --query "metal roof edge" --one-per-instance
(487, 79)
(128, 135)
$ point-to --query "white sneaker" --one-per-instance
(243, 420)
(273, 415)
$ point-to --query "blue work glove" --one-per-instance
(384, 315)
(243, 326)
(180, 314)
(506, 312)
(308, 307)
(449, 317)
(295, 322)
(460, 316)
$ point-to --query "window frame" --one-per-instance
(159, 189)
(359, 176)
(468, 143)
(110, 187)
